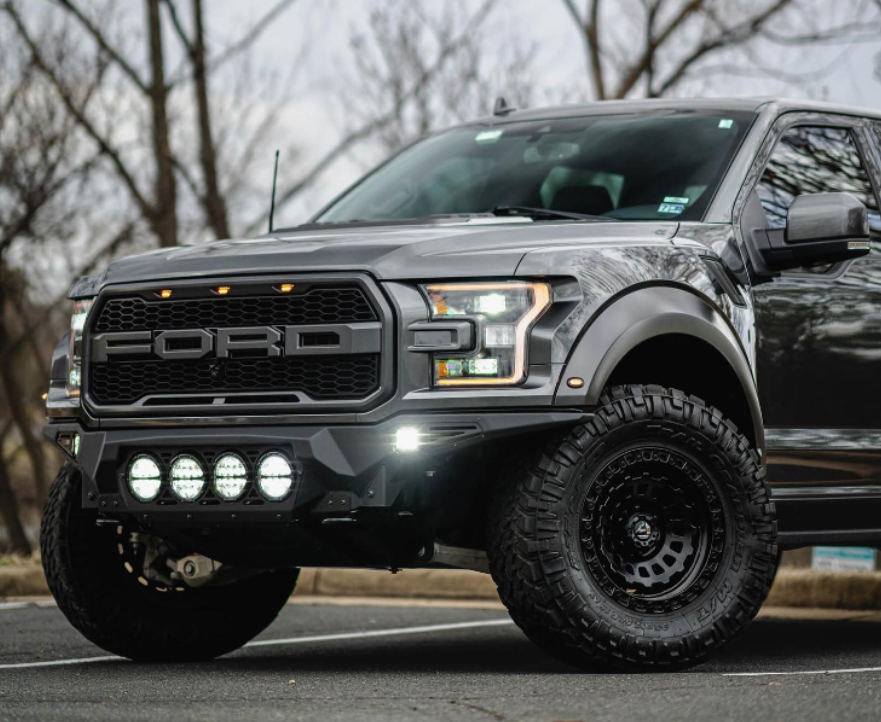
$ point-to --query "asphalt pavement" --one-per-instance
(385, 663)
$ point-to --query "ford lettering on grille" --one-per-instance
(251, 341)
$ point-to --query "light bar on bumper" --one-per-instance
(503, 312)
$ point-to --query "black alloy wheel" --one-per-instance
(652, 528)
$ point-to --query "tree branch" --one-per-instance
(588, 27)
(101, 40)
(632, 76)
(727, 37)
(179, 28)
(249, 37)
(402, 99)
(102, 143)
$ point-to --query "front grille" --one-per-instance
(316, 306)
(321, 377)
(318, 352)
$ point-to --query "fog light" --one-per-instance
(144, 478)
(70, 443)
(274, 477)
(187, 477)
(230, 476)
(407, 439)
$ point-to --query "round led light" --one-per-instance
(274, 477)
(230, 476)
(144, 477)
(187, 477)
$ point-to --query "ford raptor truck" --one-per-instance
(616, 355)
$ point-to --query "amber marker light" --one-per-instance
(165, 293)
(285, 288)
(221, 290)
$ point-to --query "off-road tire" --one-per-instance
(552, 576)
(112, 608)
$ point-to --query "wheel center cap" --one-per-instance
(642, 531)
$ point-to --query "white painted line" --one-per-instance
(43, 604)
(855, 670)
(394, 632)
(13, 605)
(59, 662)
(400, 631)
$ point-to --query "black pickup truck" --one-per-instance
(617, 355)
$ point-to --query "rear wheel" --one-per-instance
(114, 583)
(644, 540)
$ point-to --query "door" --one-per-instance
(819, 329)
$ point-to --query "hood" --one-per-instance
(464, 250)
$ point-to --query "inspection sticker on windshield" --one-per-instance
(673, 205)
(674, 208)
(488, 136)
(726, 123)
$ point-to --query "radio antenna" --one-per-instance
(272, 201)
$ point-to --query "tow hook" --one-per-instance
(194, 570)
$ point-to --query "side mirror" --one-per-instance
(820, 228)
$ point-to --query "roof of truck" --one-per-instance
(773, 105)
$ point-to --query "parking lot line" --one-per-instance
(58, 662)
(854, 670)
(400, 631)
(366, 634)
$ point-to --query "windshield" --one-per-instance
(651, 166)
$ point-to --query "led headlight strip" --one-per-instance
(74, 357)
(493, 302)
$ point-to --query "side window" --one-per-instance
(814, 159)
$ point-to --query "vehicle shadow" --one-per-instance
(769, 645)
(773, 644)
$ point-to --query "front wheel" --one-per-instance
(113, 583)
(644, 540)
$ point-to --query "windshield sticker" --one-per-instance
(676, 199)
(673, 208)
(726, 123)
(488, 136)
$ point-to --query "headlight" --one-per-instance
(503, 313)
(75, 356)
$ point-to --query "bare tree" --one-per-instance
(678, 39)
(396, 52)
(41, 159)
(414, 71)
(214, 202)
(157, 199)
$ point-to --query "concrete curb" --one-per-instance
(827, 590)
(23, 580)
(801, 588)
(410, 583)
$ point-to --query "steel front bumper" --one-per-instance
(338, 469)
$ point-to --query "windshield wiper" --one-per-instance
(530, 212)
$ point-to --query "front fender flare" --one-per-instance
(644, 314)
